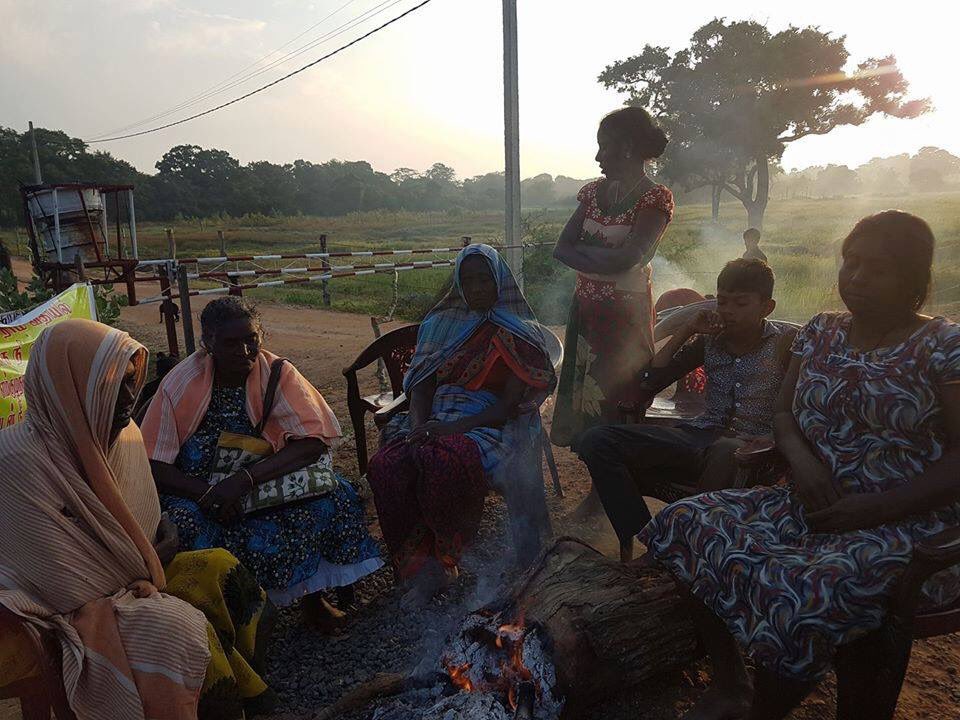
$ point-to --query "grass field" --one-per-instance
(800, 238)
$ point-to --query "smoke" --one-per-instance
(712, 247)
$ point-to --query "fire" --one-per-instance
(459, 675)
(509, 639)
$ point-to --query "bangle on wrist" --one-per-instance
(253, 484)
(204, 495)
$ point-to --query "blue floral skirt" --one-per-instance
(294, 550)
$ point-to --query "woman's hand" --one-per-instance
(813, 483)
(431, 429)
(851, 512)
(167, 543)
(224, 502)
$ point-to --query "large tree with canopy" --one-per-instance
(739, 94)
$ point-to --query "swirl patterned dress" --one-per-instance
(609, 335)
(791, 596)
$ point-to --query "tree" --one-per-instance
(837, 181)
(738, 95)
(204, 182)
(441, 173)
(885, 176)
(269, 189)
(930, 168)
(537, 191)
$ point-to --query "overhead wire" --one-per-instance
(213, 89)
(228, 85)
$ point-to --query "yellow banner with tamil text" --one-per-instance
(18, 335)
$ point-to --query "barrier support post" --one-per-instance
(186, 315)
(325, 284)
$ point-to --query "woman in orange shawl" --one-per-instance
(81, 540)
(295, 550)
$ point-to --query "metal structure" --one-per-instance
(69, 229)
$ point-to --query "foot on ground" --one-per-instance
(318, 614)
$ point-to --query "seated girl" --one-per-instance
(869, 420)
(480, 357)
(294, 550)
(145, 630)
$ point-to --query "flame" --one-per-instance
(510, 639)
(458, 675)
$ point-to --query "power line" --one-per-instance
(270, 84)
(243, 76)
(220, 86)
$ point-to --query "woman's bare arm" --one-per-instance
(421, 401)
(647, 228)
(812, 479)
(171, 481)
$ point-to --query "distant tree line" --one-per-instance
(930, 170)
(192, 181)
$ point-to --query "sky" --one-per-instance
(427, 89)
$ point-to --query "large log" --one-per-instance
(594, 628)
(612, 626)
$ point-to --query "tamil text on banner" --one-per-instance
(18, 335)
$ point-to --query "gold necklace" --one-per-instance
(618, 199)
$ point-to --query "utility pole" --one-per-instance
(511, 140)
(36, 157)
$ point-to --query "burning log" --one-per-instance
(612, 626)
(576, 628)
(587, 627)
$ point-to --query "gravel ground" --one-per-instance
(309, 670)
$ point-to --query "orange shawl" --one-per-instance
(71, 550)
(182, 399)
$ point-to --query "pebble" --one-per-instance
(310, 671)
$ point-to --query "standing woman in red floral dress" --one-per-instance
(610, 241)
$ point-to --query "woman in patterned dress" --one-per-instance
(609, 241)
(869, 420)
(295, 550)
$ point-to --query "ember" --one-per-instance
(491, 658)
(458, 675)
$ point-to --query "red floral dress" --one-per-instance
(609, 336)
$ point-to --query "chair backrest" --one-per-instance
(395, 349)
(554, 347)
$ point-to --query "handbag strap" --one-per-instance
(271, 393)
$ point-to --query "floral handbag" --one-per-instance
(236, 451)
